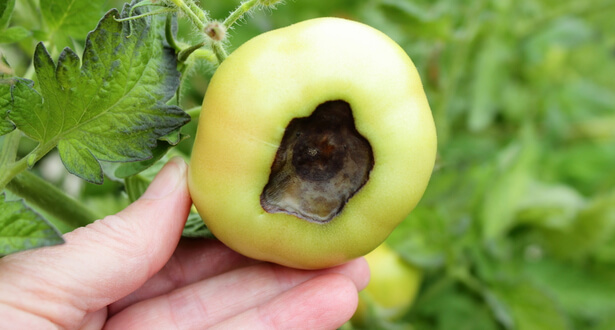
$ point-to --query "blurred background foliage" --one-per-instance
(517, 227)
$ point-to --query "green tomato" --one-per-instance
(314, 142)
(392, 288)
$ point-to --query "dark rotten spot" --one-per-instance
(321, 163)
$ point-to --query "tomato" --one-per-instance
(392, 288)
(314, 142)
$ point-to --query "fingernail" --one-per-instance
(167, 180)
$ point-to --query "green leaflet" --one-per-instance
(14, 34)
(5, 101)
(6, 10)
(109, 106)
(67, 19)
(21, 228)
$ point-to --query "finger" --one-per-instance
(205, 303)
(193, 260)
(325, 302)
(103, 261)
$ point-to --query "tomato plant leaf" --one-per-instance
(26, 100)
(6, 10)
(531, 307)
(592, 228)
(125, 170)
(14, 34)
(66, 19)
(571, 288)
(489, 67)
(21, 228)
(111, 105)
(6, 126)
(497, 214)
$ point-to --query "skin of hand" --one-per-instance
(131, 270)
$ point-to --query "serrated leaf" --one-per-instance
(550, 205)
(111, 105)
(420, 238)
(530, 307)
(14, 34)
(453, 308)
(25, 99)
(125, 170)
(66, 19)
(593, 226)
(6, 126)
(585, 291)
(6, 10)
(21, 228)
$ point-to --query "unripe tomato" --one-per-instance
(392, 288)
(314, 142)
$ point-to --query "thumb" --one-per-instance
(107, 259)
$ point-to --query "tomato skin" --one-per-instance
(393, 286)
(285, 74)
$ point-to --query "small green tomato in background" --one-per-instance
(393, 285)
(314, 142)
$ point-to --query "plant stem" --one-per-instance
(243, 8)
(219, 52)
(183, 55)
(10, 170)
(149, 13)
(196, 20)
(8, 152)
(194, 112)
(42, 194)
(168, 33)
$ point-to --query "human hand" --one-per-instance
(131, 270)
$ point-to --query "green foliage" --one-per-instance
(68, 19)
(6, 125)
(517, 227)
(21, 228)
(86, 110)
(6, 10)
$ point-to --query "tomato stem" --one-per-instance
(168, 33)
(12, 168)
(243, 8)
(219, 51)
(9, 167)
(9, 148)
(194, 112)
(44, 195)
(183, 55)
(197, 18)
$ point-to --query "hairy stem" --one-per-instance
(42, 194)
(195, 18)
(243, 8)
(219, 52)
(149, 13)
